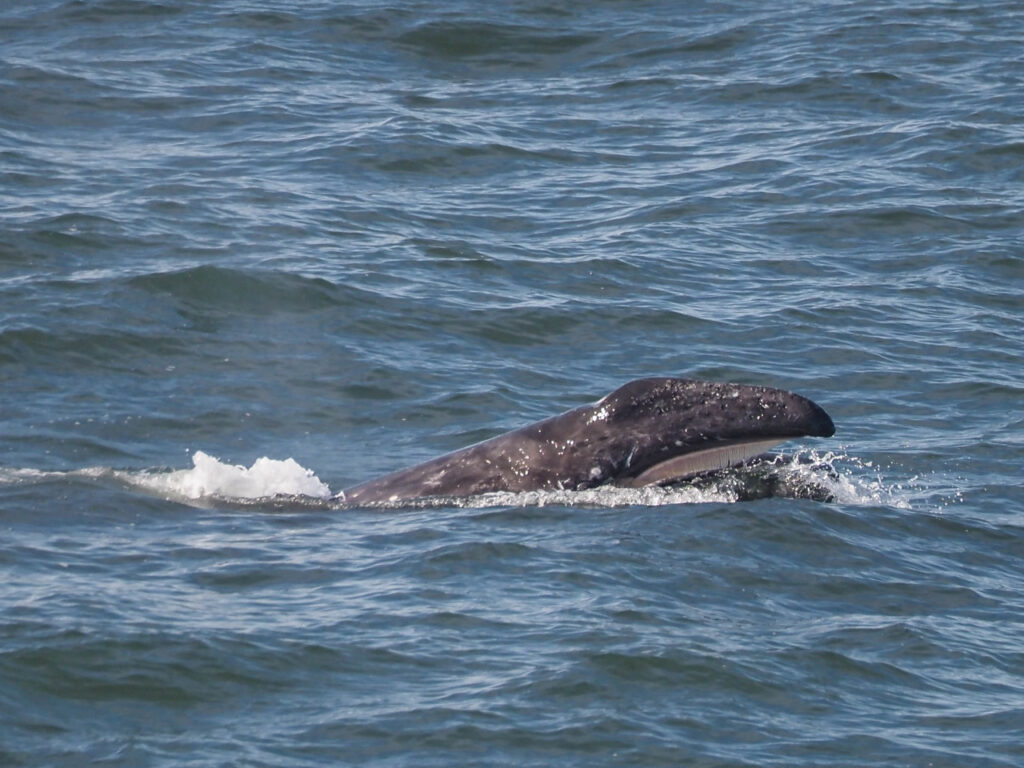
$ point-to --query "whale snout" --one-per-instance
(819, 423)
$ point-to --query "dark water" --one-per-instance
(359, 235)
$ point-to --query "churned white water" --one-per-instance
(211, 477)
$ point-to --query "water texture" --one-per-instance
(249, 249)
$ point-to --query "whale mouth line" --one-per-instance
(719, 455)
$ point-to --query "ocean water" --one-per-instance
(253, 253)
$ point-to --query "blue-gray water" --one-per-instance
(358, 235)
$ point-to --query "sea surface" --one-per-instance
(253, 253)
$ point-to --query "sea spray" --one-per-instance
(210, 477)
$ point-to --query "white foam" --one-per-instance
(210, 477)
(851, 480)
(603, 496)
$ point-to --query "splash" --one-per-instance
(210, 477)
(858, 482)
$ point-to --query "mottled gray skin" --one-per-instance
(612, 441)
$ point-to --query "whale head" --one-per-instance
(661, 430)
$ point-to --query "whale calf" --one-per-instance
(654, 431)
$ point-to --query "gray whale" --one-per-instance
(648, 432)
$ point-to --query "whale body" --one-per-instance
(654, 431)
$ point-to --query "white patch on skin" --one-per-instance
(601, 414)
(629, 459)
(595, 472)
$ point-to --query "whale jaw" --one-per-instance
(716, 456)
